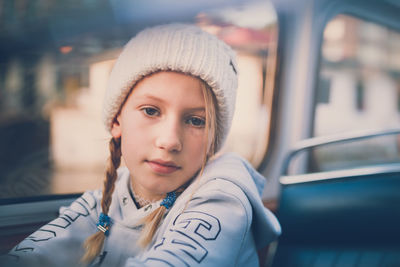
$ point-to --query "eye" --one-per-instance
(151, 112)
(196, 122)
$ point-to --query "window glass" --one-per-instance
(358, 90)
(55, 60)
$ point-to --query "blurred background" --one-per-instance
(55, 58)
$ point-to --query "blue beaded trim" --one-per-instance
(104, 223)
(169, 200)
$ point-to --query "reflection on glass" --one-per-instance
(54, 71)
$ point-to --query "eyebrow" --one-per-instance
(200, 108)
(151, 97)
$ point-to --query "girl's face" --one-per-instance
(162, 130)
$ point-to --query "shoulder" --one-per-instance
(85, 205)
(229, 177)
(236, 169)
(225, 198)
(216, 203)
(82, 213)
(207, 228)
(220, 189)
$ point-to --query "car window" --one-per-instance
(55, 60)
(358, 91)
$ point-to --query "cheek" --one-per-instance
(133, 136)
(132, 125)
(197, 145)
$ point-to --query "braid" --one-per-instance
(94, 243)
(111, 173)
(153, 220)
(150, 225)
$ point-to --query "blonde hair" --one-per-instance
(94, 243)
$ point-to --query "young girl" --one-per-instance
(168, 106)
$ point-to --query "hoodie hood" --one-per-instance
(239, 171)
(231, 167)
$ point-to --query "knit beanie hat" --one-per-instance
(175, 47)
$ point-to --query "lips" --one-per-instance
(163, 167)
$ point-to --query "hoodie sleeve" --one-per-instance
(58, 243)
(214, 230)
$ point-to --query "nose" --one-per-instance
(169, 136)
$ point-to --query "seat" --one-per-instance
(340, 218)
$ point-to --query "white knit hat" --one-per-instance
(175, 47)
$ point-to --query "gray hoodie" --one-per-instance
(219, 220)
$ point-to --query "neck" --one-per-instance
(142, 199)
